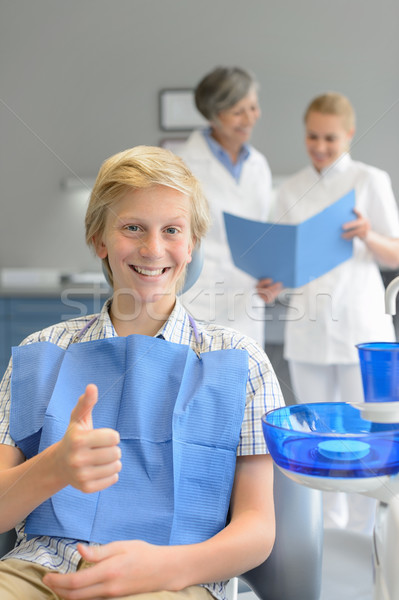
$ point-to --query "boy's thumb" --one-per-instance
(92, 554)
(82, 413)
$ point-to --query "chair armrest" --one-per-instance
(7, 541)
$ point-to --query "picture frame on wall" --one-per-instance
(177, 110)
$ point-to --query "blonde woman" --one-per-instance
(333, 313)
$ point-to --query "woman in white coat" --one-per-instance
(344, 307)
(236, 179)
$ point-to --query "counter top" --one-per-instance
(55, 291)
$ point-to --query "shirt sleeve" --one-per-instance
(382, 208)
(5, 397)
(5, 391)
(263, 394)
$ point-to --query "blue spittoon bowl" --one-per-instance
(331, 440)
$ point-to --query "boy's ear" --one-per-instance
(191, 248)
(100, 247)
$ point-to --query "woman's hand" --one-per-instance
(268, 290)
(88, 459)
(359, 227)
(385, 249)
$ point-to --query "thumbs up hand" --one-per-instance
(88, 459)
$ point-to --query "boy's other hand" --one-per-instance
(89, 459)
(116, 570)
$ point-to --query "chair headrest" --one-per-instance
(194, 268)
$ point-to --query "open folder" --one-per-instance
(292, 254)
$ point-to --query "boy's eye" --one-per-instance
(171, 230)
(133, 228)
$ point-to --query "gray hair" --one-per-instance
(221, 89)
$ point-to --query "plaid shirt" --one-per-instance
(263, 394)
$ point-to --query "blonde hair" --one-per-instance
(333, 103)
(139, 168)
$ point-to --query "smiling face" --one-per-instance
(326, 139)
(148, 243)
(233, 127)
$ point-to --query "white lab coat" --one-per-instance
(223, 294)
(344, 307)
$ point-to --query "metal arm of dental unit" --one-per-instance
(390, 296)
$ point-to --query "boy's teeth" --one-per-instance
(148, 272)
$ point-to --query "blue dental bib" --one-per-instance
(179, 419)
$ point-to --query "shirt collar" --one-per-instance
(235, 169)
(104, 323)
(339, 166)
(176, 329)
(219, 151)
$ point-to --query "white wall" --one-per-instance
(79, 81)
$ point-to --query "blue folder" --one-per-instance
(292, 254)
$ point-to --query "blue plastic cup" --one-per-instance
(379, 364)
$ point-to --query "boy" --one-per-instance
(144, 467)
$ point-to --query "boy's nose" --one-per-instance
(152, 246)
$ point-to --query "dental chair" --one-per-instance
(7, 541)
(293, 569)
